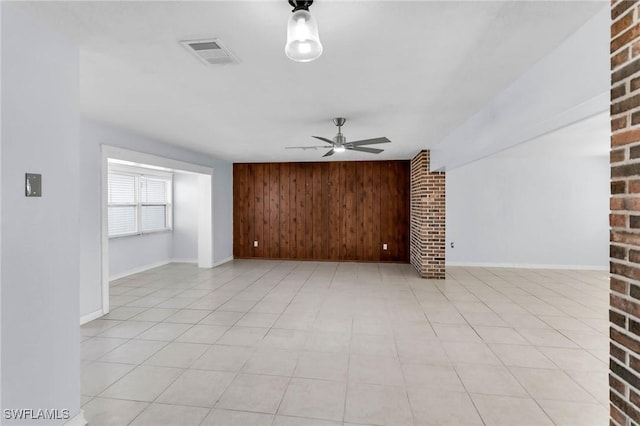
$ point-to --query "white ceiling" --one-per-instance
(411, 71)
(586, 138)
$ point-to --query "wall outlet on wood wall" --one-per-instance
(255, 243)
(385, 247)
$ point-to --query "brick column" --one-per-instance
(427, 218)
(624, 314)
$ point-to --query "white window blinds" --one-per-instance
(138, 203)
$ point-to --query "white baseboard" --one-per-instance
(138, 270)
(77, 420)
(223, 261)
(528, 266)
(178, 260)
(90, 317)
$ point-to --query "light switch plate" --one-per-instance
(33, 185)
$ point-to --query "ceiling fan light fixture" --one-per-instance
(340, 148)
(303, 41)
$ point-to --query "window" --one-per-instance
(138, 203)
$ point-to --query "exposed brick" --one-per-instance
(634, 222)
(625, 38)
(628, 306)
(634, 256)
(617, 220)
(428, 209)
(616, 203)
(624, 406)
(618, 285)
(625, 105)
(622, 24)
(634, 363)
(634, 84)
(626, 138)
(629, 69)
(634, 152)
(632, 203)
(618, 187)
(617, 353)
(634, 398)
(628, 271)
(634, 327)
(617, 385)
(619, 123)
(625, 374)
(618, 319)
(625, 341)
(625, 170)
(635, 119)
(634, 291)
(633, 186)
(618, 9)
(618, 91)
(619, 58)
(617, 416)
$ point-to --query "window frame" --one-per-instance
(140, 173)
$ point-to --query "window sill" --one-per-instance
(140, 234)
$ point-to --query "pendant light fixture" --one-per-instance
(303, 42)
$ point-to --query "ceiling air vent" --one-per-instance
(210, 52)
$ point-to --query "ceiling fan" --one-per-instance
(340, 144)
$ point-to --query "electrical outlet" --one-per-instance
(451, 244)
(255, 243)
(385, 246)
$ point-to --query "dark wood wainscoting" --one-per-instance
(322, 211)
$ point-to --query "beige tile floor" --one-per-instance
(314, 343)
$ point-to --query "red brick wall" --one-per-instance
(624, 314)
(427, 231)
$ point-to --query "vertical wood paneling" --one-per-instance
(308, 212)
(274, 210)
(301, 183)
(333, 211)
(325, 195)
(360, 230)
(316, 232)
(258, 208)
(284, 213)
(376, 237)
(293, 208)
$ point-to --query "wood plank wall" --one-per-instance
(322, 211)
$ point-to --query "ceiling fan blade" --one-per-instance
(370, 141)
(329, 153)
(305, 147)
(329, 141)
(363, 149)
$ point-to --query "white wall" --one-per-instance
(128, 255)
(94, 134)
(185, 217)
(40, 255)
(132, 254)
(539, 205)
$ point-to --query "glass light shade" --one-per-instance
(303, 42)
(339, 149)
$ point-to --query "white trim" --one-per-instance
(154, 160)
(176, 260)
(139, 269)
(77, 420)
(222, 262)
(90, 317)
(527, 266)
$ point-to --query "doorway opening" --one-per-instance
(199, 181)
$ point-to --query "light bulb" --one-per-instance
(303, 42)
(339, 148)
